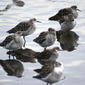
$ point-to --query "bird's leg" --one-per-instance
(13, 55)
(9, 54)
(24, 41)
(47, 83)
(44, 48)
(50, 83)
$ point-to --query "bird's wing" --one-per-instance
(38, 70)
(44, 55)
(7, 40)
(46, 70)
(20, 27)
(65, 11)
(41, 38)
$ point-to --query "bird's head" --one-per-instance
(52, 31)
(74, 7)
(34, 20)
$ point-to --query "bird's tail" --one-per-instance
(1, 44)
(37, 70)
(1, 61)
(54, 18)
(37, 77)
(9, 31)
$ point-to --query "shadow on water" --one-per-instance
(12, 67)
(68, 40)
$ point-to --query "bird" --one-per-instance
(46, 38)
(12, 67)
(8, 6)
(68, 39)
(13, 42)
(67, 22)
(50, 72)
(65, 11)
(48, 55)
(24, 55)
(19, 3)
(26, 27)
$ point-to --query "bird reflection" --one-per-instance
(68, 40)
(12, 67)
(25, 55)
(50, 72)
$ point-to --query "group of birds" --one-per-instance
(51, 70)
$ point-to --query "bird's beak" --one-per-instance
(79, 10)
(39, 21)
(60, 50)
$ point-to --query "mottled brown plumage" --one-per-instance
(48, 55)
(66, 11)
(50, 72)
(47, 38)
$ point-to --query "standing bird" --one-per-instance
(13, 42)
(12, 67)
(26, 27)
(71, 10)
(68, 22)
(48, 55)
(47, 38)
(50, 73)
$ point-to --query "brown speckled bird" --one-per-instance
(50, 72)
(47, 38)
(48, 55)
(71, 10)
(26, 27)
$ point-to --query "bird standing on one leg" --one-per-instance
(47, 38)
(26, 27)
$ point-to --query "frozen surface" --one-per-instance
(74, 62)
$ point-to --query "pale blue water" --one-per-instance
(74, 62)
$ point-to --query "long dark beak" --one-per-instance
(39, 21)
(79, 10)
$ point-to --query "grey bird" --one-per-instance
(50, 72)
(65, 11)
(68, 22)
(46, 38)
(12, 67)
(13, 42)
(26, 27)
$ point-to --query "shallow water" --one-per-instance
(74, 62)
